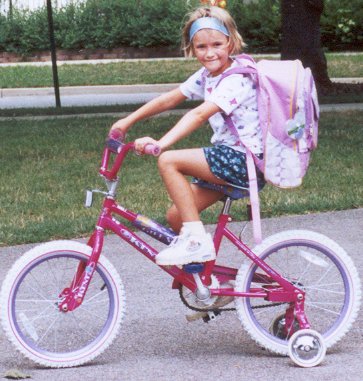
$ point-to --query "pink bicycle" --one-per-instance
(62, 304)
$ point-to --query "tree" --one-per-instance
(300, 39)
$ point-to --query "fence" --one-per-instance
(7, 5)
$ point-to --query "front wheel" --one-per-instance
(314, 263)
(32, 319)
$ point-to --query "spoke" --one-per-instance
(31, 287)
(92, 313)
(43, 314)
(48, 329)
(324, 274)
(87, 301)
(36, 301)
(41, 296)
(324, 290)
(307, 268)
(313, 305)
(96, 302)
(51, 271)
(90, 333)
(326, 303)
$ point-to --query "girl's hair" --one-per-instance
(236, 43)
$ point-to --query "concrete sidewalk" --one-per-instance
(108, 95)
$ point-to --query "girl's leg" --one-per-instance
(194, 244)
(203, 198)
(174, 166)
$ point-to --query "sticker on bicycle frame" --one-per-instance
(134, 241)
(83, 287)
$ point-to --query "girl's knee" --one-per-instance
(166, 161)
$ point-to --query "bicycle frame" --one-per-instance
(273, 287)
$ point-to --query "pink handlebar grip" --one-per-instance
(116, 135)
(152, 149)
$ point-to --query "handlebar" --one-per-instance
(121, 149)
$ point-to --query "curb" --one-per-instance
(344, 107)
(113, 89)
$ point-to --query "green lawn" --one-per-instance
(47, 166)
(140, 72)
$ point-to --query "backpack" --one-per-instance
(288, 112)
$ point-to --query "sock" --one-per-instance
(194, 227)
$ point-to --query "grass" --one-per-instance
(76, 110)
(139, 72)
(47, 165)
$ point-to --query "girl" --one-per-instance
(211, 36)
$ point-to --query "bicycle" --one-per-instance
(62, 303)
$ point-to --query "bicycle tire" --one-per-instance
(32, 320)
(308, 258)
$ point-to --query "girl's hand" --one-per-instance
(142, 142)
(119, 128)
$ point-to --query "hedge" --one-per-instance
(146, 23)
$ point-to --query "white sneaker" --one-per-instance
(187, 248)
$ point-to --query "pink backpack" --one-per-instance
(288, 112)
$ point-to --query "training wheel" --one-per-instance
(307, 348)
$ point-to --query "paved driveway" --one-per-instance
(157, 343)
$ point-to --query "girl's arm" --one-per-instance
(162, 103)
(186, 125)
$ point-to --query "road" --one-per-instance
(105, 96)
(157, 343)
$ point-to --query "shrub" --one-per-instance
(342, 25)
(148, 23)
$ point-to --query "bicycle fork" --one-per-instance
(73, 296)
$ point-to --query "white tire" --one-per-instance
(30, 315)
(318, 265)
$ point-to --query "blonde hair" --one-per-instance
(235, 42)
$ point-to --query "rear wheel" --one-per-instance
(32, 319)
(321, 268)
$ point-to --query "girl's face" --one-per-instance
(211, 50)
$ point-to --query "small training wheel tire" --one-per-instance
(307, 348)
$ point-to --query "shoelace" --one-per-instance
(176, 239)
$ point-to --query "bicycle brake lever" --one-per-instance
(89, 196)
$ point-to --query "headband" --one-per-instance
(207, 23)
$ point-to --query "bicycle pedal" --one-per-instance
(211, 315)
(207, 316)
(193, 268)
(196, 316)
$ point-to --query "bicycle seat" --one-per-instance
(233, 191)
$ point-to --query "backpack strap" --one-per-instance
(253, 187)
(254, 199)
(247, 68)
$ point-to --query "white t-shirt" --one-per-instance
(236, 96)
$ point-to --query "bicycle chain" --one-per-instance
(221, 309)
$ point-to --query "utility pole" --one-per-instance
(53, 53)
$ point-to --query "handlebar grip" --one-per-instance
(152, 149)
(116, 135)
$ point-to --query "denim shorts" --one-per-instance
(230, 165)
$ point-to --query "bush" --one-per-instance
(342, 25)
(147, 23)
(259, 24)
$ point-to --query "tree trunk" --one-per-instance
(300, 38)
